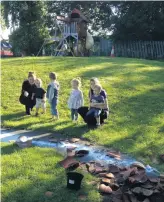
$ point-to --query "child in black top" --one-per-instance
(40, 95)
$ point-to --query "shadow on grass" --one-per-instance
(9, 149)
(45, 126)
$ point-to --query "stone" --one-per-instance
(105, 189)
(138, 165)
(110, 176)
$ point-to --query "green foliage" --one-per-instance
(28, 21)
(125, 20)
(135, 94)
(139, 21)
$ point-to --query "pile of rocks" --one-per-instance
(128, 184)
(119, 184)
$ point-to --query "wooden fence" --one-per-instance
(140, 49)
(102, 48)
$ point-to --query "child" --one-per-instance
(52, 94)
(75, 100)
(96, 98)
(40, 95)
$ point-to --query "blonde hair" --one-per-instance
(53, 76)
(95, 80)
(98, 87)
(40, 81)
(77, 81)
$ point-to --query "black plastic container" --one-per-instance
(74, 180)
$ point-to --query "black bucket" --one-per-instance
(74, 180)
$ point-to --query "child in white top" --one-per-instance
(75, 100)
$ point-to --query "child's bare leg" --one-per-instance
(44, 107)
(37, 111)
(44, 110)
(98, 120)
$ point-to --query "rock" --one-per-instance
(147, 186)
(146, 200)
(138, 165)
(154, 179)
(107, 181)
(146, 192)
(136, 190)
(105, 189)
(110, 176)
(113, 168)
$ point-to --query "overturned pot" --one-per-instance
(24, 141)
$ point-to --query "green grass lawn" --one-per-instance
(27, 174)
(136, 98)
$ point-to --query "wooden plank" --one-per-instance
(136, 48)
(155, 49)
(145, 44)
(133, 49)
(162, 47)
(158, 49)
(143, 50)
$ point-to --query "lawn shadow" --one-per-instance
(9, 149)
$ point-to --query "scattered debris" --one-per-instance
(133, 183)
(49, 194)
(69, 163)
(54, 140)
(71, 147)
(73, 140)
(115, 155)
(82, 197)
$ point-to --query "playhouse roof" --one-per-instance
(74, 16)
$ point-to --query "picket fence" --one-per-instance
(131, 49)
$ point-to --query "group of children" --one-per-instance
(75, 100)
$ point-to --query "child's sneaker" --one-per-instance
(36, 114)
(98, 125)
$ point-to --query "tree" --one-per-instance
(28, 20)
(139, 21)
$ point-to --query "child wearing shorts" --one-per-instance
(40, 95)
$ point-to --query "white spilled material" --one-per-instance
(5, 134)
